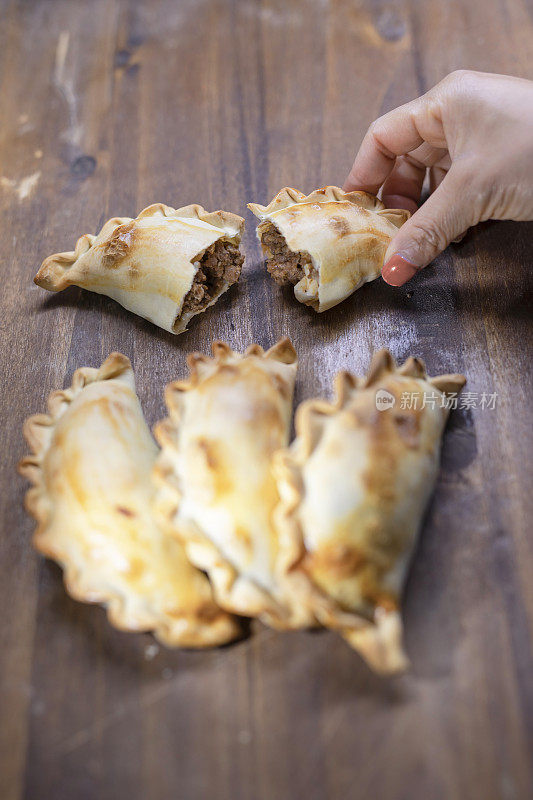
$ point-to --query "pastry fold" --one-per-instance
(327, 244)
(217, 490)
(91, 468)
(354, 486)
(167, 265)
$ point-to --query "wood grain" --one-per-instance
(109, 105)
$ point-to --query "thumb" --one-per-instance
(445, 215)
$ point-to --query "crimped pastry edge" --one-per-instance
(379, 641)
(38, 432)
(231, 588)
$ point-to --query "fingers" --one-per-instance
(431, 156)
(436, 176)
(446, 214)
(392, 135)
(403, 186)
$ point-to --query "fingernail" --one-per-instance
(398, 270)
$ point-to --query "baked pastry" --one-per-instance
(217, 489)
(326, 244)
(354, 486)
(167, 265)
(91, 468)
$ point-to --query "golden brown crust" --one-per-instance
(53, 272)
(288, 197)
(145, 271)
(200, 623)
(336, 239)
(219, 219)
(217, 491)
(353, 487)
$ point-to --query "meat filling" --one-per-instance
(285, 265)
(221, 262)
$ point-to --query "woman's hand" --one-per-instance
(474, 131)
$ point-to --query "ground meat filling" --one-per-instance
(222, 262)
(285, 266)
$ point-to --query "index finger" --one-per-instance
(394, 134)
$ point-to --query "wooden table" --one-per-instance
(107, 106)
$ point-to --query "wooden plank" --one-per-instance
(111, 105)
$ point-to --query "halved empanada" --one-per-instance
(326, 244)
(217, 489)
(91, 468)
(354, 486)
(167, 265)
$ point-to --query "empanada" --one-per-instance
(216, 484)
(354, 486)
(167, 265)
(91, 468)
(326, 244)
